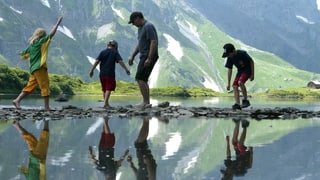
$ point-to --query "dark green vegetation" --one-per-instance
(12, 80)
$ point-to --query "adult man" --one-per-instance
(245, 66)
(148, 49)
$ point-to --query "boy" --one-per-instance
(107, 60)
(245, 67)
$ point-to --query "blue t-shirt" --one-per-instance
(108, 59)
(242, 61)
(146, 33)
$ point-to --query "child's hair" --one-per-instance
(38, 34)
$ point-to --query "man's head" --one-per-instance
(134, 17)
(228, 50)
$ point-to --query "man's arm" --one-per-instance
(54, 29)
(153, 46)
(131, 58)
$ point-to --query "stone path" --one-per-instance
(162, 111)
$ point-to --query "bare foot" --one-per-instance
(16, 104)
(15, 123)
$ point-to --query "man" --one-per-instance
(245, 66)
(148, 49)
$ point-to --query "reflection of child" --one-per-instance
(37, 52)
(106, 162)
(244, 155)
(38, 152)
(146, 162)
(107, 60)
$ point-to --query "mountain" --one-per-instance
(289, 29)
(190, 44)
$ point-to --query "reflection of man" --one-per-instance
(38, 152)
(244, 155)
(146, 162)
(106, 162)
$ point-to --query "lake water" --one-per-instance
(191, 148)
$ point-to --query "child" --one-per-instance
(37, 151)
(245, 66)
(37, 52)
(107, 60)
(106, 162)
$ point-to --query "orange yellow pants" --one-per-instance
(38, 148)
(39, 78)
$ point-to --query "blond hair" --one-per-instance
(38, 34)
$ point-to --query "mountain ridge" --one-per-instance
(190, 45)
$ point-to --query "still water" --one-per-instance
(191, 148)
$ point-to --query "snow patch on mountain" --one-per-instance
(318, 4)
(66, 31)
(174, 47)
(46, 3)
(15, 10)
(210, 83)
(154, 75)
(1, 19)
(303, 19)
(117, 11)
(104, 31)
(189, 31)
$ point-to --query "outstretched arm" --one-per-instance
(93, 67)
(124, 67)
(54, 29)
(123, 157)
(93, 157)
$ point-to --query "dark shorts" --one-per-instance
(107, 140)
(143, 72)
(108, 83)
(242, 78)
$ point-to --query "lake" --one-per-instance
(191, 148)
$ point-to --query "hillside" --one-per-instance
(190, 45)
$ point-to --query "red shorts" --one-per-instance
(108, 83)
(107, 140)
(242, 78)
(239, 147)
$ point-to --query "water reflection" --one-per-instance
(146, 163)
(106, 162)
(179, 149)
(243, 154)
(37, 151)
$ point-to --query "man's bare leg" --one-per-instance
(144, 89)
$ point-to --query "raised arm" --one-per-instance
(54, 29)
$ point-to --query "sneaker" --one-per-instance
(245, 103)
(236, 106)
(245, 123)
